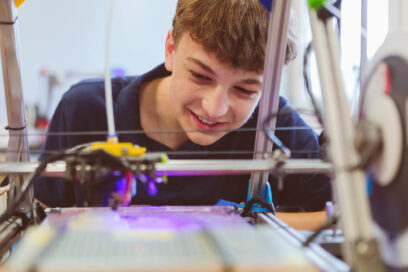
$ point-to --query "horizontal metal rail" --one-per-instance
(194, 167)
(323, 259)
(11, 231)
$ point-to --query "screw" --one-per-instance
(364, 248)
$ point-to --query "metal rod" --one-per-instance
(324, 260)
(363, 47)
(349, 185)
(397, 19)
(13, 92)
(192, 167)
(274, 60)
(11, 231)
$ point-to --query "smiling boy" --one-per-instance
(190, 107)
(207, 98)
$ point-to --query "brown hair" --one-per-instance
(234, 30)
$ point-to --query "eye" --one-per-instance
(245, 91)
(198, 76)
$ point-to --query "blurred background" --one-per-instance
(62, 42)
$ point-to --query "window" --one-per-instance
(377, 20)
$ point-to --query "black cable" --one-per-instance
(337, 4)
(271, 136)
(13, 209)
(330, 222)
(106, 157)
(9, 23)
(100, 159)
(15, 129)
(324, 13)
(308, 86)
(257, 200)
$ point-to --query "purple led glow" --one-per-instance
(151, 188)
(180, 218)
(143, 178)
(159, 180)
(134, 186)
(121, 186)
(116, 173)
(177, 218)
(118, 72)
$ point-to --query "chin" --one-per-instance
(203, 139)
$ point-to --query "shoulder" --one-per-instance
(283, 107)
(292, 130)
(287, 115)
(84, 103)
(295, 132)
(94, 89)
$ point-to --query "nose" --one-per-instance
(215, 102)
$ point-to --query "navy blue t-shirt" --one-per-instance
(82, 109)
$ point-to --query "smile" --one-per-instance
(204, 123)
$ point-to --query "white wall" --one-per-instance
(68, 36)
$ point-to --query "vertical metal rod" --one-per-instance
(349, 182)
(274, 60)
(363, 46)
(13, 90)
(395, 15)
(397, 19)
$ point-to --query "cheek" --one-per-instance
(244, 110)
(179, 93)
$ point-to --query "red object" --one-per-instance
(42, 123)
(388, 84)
(128, 192)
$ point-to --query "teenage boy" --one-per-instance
(207, 89)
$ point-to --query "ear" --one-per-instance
(169, 53)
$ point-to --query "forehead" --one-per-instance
(194, 53)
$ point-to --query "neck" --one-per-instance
(157, 116)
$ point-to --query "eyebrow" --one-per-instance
(202, 65)
(249, 81)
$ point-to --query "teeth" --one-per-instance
(206, 121)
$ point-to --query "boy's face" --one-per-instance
(209, 98)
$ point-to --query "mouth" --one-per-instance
(204, 123)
